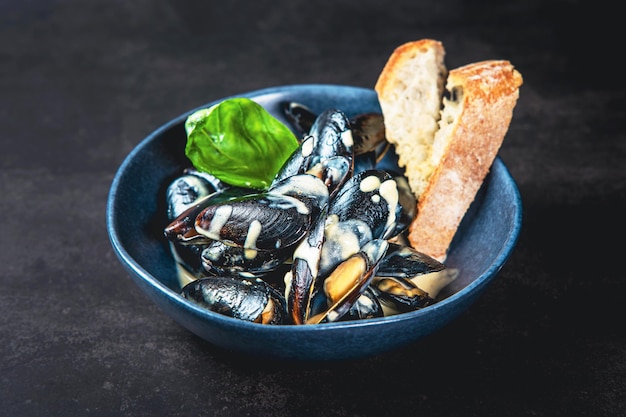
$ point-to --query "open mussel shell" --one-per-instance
(301, 280)
(401, 294)
(367, 306)
(349, 280)
(405, 262)
(342, 240)
(365, 208)
(395, 275)
(252, 300)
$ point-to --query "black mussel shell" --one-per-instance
(183, 192)
(406, 262)
(368, 132)
(221, 259)
(372, 197)
(401, 294)
(333, 136)
(349, 280)
(367, 306)
(252, 300)
(181, 229)
(268, 222)
(301, 280)
(300, 116)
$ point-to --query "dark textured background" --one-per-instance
(82, 82)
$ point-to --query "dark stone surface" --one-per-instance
(82, 82)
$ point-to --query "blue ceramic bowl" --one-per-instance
(136, 216)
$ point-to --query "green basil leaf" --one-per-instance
(239, 142)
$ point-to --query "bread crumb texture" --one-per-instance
(410, 89)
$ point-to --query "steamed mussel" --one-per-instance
(321, 244)
(246, 299)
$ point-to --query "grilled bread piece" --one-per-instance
(448, 167)
(410, 88)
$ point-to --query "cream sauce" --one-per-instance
(254, 230)
(307, 146)
(389, 191)
(220, 217)
(285, 202)
(369, 184)
(347, 139)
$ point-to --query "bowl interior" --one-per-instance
(136, 218)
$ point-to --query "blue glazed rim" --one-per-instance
(172, 301)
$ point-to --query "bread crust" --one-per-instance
(488, 94)
(400, 55)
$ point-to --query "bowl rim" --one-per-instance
(138, 272)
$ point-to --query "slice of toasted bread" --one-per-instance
(474, 121)
(410, 89)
